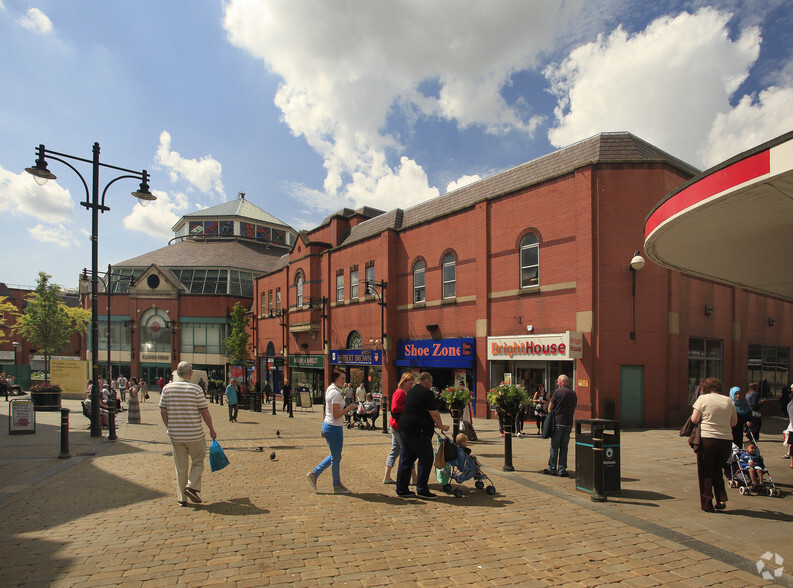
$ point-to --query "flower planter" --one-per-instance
(46, 401)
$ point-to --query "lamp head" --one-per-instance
(637, 262)
(143, 194)
(40, 172)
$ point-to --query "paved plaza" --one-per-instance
(108, 515)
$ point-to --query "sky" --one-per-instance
(310, 106)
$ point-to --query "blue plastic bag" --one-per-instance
(217, 458)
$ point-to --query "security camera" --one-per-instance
(529, 328)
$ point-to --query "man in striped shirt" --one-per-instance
(182, 407)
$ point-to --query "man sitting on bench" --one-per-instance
(371, 411)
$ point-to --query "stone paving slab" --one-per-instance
(108, 515)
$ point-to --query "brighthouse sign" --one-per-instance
(561, 346)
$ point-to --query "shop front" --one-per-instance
(533, 360)
(307, 372)
(361, 366)
(449, 361)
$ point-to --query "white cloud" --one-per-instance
(23, 196)
(461, 182)
(750, 123)
(159, 216)
(55, 234)
(347, 66)
(204, 174)
(666, 84)
(36, 21)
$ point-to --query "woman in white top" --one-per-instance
(333, 432)
(716, 415)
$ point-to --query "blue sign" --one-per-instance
(449, 353)
(356, 357)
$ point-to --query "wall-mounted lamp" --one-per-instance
(637, 263)
(708, 310)
(771, 322)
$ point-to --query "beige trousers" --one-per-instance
(188, 457)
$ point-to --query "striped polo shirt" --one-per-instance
(184, 401)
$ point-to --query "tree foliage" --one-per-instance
(47, 323)
(238, 345)
(7, 310)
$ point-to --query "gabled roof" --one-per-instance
(213, 253)
(239, 207)
(622, 147)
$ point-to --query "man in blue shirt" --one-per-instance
(233, 400)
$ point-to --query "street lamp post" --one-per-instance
(95, 204)
(378, 290)
(280, 314)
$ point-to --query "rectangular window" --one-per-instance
(418, 282)
(339, 287)
(269, 302)
(262, 307)
(704, 361)
(449, 279)
(769, 367)
(278, 300)
(354, 284)
(370, 280)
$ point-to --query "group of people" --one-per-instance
(109, 392)
(8, 387)
(727, 424)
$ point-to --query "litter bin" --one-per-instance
(597, 457)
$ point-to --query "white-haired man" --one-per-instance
(183, 407)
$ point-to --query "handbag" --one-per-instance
(549, 425)
(217, 457)
(449, 450)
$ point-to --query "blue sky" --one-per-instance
(312, 106)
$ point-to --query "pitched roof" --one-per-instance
(212, 253)
(619, 147)
(239, 207)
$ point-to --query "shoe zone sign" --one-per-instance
(449, 353)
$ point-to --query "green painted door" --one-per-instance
(632, 395)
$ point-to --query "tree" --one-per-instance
(47, 323)
(7, 310)
(238, 347)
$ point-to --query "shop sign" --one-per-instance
(454, 353)
(567, 345)
(6, 356)
(275, 362)
(22, 417)
(155, 357)
(356, 357)
(316, 362)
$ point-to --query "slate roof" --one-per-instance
(220, 253)
(239, 207)
(621, 147)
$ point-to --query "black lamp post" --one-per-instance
(280, 314)
(95, 204)
(378, 290)
(637, 263)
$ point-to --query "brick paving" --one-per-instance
(108, 516)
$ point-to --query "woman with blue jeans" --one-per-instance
(333, 432)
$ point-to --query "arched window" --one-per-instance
(354, 340)
(449, 267)
(418, 282)
(299, 289)
(529, 261)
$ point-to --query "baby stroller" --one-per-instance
(740, 477)
(460, 470)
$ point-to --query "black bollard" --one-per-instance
(291, 416)
(111, 419)
(64, 434)
(508, 443)
(456, 414)
(273, 403)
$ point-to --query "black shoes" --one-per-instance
(426, 495)
(406, 495)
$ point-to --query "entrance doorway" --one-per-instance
(151, 373)
(632, 395)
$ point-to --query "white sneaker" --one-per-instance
(312, 479)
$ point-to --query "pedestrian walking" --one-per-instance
(562, 410)
(183, 407)
(123, 384)
(716, 416)
(133, 409)
(333, 432)
(286, 393)
(232, 396)
(406, 382)
(417, 424)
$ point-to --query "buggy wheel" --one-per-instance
(479, 484)
(458, 493)
(490, 490)
(447, 487)
(770, 491)
(742, 490)
(733, 484)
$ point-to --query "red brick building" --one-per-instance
(521, 276)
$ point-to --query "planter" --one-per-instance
(46, 401)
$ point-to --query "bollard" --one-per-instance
(273, 403)
(508, 444)
(111, 419)
(291, 416)
(456, 414)
(64, 434)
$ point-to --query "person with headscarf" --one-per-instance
(744, 410)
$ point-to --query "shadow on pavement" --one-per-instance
(470, 498)
(643, 495)
(232, 507)
(772, 515)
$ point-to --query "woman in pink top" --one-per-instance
(716, 415)
(406, 382)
